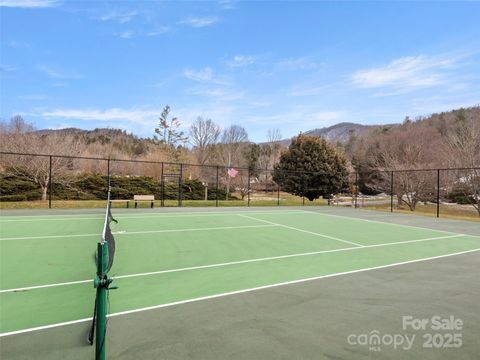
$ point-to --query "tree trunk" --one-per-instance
(477, 207)
(45, 187)
(399, 200)
(44, 192)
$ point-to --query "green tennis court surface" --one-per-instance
(172, 268)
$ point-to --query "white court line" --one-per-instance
(141, 215)
(301, 230)
(377, 222)
(47, 286)
(230, 263)
(236, 292)
(49, 237)
(138, 232)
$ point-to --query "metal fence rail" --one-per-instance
(50, 177)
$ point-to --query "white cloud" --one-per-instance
(18, 44)
(34, 97)
(301, 63)
(240, 61)
(141, 120)
(260, 104)
(7, 68)
(199, 21)
(298, 118)
(227, 4)
(205, 75)
(56, 74)
(327, 116)
(222, 114)
(159, 31)
(128, 34)
(406, 73)
(301, 90)
(121, 17)
(159, 84)
(29, 3)
(60, 126)
(445, 102)
(219, 94)
(133, 115)
(58, 84)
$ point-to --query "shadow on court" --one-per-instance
(311, 320)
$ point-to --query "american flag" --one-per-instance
(232, 172)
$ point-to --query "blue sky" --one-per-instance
(289, 65)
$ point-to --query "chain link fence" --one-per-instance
(53, 181)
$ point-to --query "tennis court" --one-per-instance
(239, 283)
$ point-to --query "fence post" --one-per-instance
(180, 186)
(108, 180)
(162, 188)
(50, 182)
(391, 192)
(216, 191)
(108, 174)
(278, 194)
(248, 188)
(356, 189)
(438, 193)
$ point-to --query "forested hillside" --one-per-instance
(444, 140)
(386, 146)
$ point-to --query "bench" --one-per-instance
(140, 198)
(137, 199)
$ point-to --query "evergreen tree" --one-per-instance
(252, 154)
(312, 168)
(168, 130)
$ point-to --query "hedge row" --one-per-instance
(94, 187)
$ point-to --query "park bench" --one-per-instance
(137, 199)
(143, 198)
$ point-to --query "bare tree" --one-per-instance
(274, 136)
(21, 138)
(203, 135)
(407, 147)
(270, 151)
(16, 125)
(232, 139)
(464, 151)
(240, 184)
(265, 155)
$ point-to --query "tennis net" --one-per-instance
(107, 235)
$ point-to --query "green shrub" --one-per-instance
(459, 195)
(12, 185)
(94, 187)
(33, 195)
(19, 197)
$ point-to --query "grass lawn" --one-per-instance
(464, 212)
(257, 199)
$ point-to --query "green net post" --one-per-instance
(101, 283)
